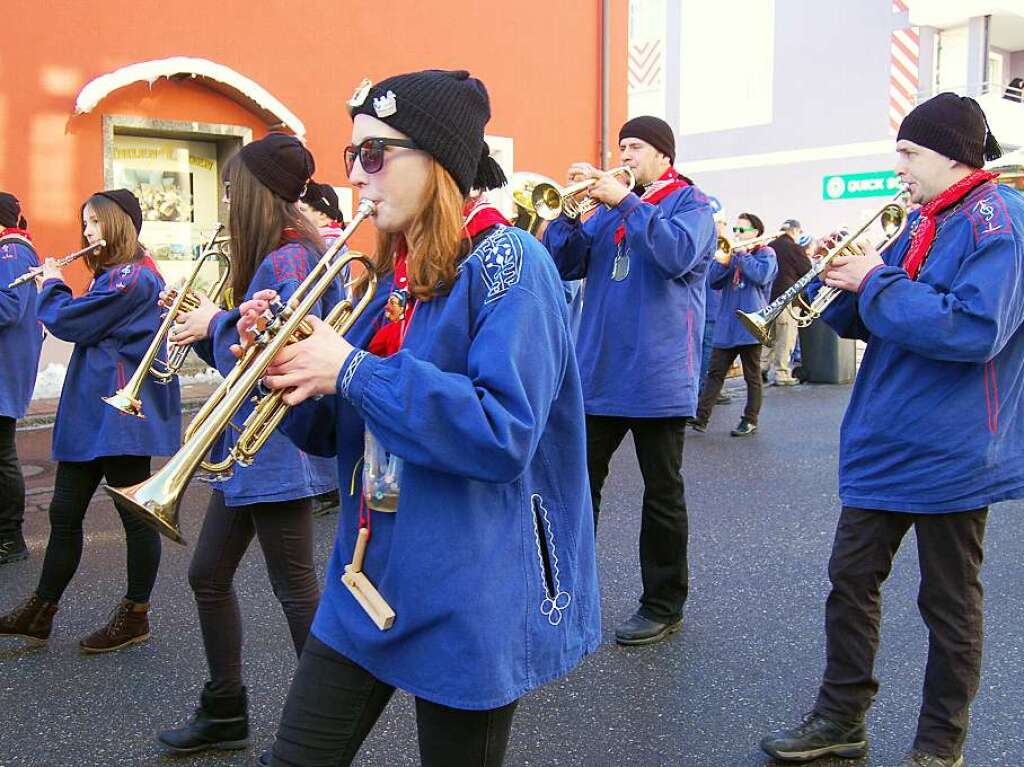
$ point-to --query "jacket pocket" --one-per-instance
(555, 601)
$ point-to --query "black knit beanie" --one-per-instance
(444, 113)
(127, 202)
(323, 198)
(954, 126)
(654, 131)
(281, 163)
(10, 212)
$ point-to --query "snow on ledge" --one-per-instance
(150, 71)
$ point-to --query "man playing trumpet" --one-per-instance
(933, 434)
(644, 258)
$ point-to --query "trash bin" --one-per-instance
(825, 357)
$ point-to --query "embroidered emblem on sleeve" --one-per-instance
(555, 600)
(988, 216)
(350, 371)
(501, 256)
(126, 278)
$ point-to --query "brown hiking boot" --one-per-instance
(32, 620)
(128, 625)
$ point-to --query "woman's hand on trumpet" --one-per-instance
(190, 327)
(307, 368)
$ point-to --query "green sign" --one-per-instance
(883, 183)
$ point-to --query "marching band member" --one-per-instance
(471, 530)
(111, 326)
(20, 343)
(745, 279)
(273, 246)
(319, 204)
(644, 259)
(932, 436)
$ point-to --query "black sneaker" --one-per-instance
(12, 549)
(698, 425)
(745, 428)
(326, 503)
(723, 399)
(815, 737)
(917, 758)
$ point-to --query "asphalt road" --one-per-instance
(762, 515)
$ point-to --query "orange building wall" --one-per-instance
(541, 64)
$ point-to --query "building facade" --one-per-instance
(155, 97)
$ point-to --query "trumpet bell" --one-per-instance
(151, 503)
(756, 325)
(124, 402)
(547, 201)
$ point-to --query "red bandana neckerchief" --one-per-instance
(15, 231)
(401, 306)
(924, 233)
(669, 182)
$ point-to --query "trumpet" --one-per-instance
(893, 216)
(31, 274)
(521, 186)
(157, 500)
(729, 247)
(549, 200)
(126, 399)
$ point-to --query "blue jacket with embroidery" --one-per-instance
(936, 418)
(21, 336)
(746, 284)
(489, 561)
(640, 334)
(280, 472)
(112, 326)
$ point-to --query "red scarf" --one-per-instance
(479, 217)
(924, 233)
(16, 231)
(669, 182)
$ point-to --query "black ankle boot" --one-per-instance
(221, 722)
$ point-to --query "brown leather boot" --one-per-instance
(32, 620)
(128, 625)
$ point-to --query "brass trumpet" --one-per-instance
(761, 324)
(549, 200)
(126, 399)
(157, 500)
(521, 186)
(31, 274)
(729, 247)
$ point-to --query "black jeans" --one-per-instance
(73, 488)
(285, 532)
(12, 484)
(721, 361)
(950, 552)
(333, 704)
(664, 526)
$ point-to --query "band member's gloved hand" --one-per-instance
(193, 326)
(50, 272)
(310, 367)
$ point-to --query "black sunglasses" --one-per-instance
(371, 153)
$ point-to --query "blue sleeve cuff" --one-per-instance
(868, 276)
(355, 375)
(627, 205)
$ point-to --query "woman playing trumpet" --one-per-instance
(273, 246)
(111, 326)
(463, 571)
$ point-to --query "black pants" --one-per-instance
(664, 527)
(12, 484)
(333, 704)
(73, 489)
(285, 532)
(950, 552)
(721, 361)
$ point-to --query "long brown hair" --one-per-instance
(436, 239)
(122, 246)
(256, 221)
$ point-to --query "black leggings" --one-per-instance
(12, 484)
(73, 489)
(333, 704)
(285, 532)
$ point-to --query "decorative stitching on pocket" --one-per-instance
(555, 600)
